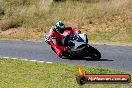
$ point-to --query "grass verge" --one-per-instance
(25, 74)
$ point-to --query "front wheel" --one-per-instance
(94, 53)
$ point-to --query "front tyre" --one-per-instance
(94, 53)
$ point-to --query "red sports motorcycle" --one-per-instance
(78, 43)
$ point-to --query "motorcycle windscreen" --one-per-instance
(84, 37)
(77, 44)
(74, 38)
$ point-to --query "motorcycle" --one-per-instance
(78, 43)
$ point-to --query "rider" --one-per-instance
(55, 36)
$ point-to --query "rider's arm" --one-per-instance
(73, 29)
(54, 41)
(68, 28)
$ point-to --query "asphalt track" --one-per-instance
(113, 56)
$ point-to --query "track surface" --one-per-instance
(113, 56)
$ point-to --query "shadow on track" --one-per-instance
(88, 59)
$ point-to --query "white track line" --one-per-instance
(49, 62)
(33, 60)
(6, 57)
(27, 60)
(41, 61)
(14, 58)
(24, 59)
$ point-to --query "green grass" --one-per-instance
(25, 74)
